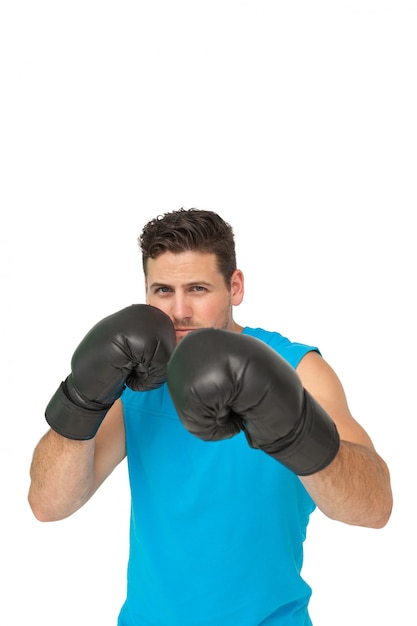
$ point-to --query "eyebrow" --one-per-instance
(192, 283)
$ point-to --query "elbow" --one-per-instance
(380, 517)
(381, 523)
(39, 512)
(377, 524)
(40, 516)
(384, 516)
(375, 517)
(42, 512)
(386, 504)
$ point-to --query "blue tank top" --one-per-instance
(217, 528)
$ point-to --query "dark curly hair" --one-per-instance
(190, 229)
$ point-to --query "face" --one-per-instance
(189, 288)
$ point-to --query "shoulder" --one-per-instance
(320, 379)
(291, 351)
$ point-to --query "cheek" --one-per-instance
(220, 313)
(156, 302)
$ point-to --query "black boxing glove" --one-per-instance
(222, 382)
(130, 347)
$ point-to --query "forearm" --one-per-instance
(354, 488)
(62, 476)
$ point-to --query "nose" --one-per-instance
(180, 308)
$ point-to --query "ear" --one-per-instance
(237, 287)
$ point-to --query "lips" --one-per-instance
(183, 332)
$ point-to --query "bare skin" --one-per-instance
(355, 488)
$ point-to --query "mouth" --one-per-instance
(182, 332)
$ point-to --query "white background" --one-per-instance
(296, 121)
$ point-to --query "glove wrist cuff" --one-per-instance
(70, 419)
(313, 445)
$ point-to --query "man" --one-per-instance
(227, 459)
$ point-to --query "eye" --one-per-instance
(163, 290)
(198, 288)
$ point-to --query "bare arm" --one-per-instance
(355, 488)
(65, 473)
(87, 439)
